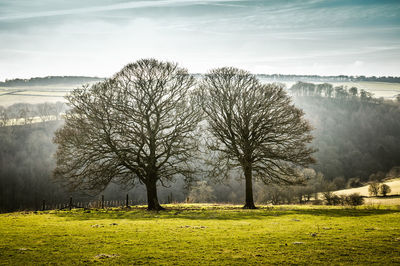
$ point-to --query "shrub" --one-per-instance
(330, 198)
(354, 199)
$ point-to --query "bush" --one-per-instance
(354, 199)
(331, 199)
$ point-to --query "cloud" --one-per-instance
(111, 7)
(97, 37)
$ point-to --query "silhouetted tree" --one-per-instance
(373, 189)
(44, 110)
(256, 128)
(137, 126)
(384, 189)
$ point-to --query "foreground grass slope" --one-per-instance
(203, 234)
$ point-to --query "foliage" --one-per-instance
(354, 199)
(331, 198)
(355, 137)
(384, 189)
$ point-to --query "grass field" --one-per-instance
(34, 94)
(203, 234)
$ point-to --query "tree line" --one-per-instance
(339, 78)
(25, 113)
(50, 80)
(356, 134)
(53, 80)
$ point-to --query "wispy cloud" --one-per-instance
(97, 37)
(112, 7)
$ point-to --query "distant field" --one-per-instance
(34, 94)
(379, 89)
(54, 93)
(203, 234)
(394, 185)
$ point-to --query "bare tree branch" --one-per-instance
(138, 125)
(257, 126)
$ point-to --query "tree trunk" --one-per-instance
(249, 187)
(152, 199)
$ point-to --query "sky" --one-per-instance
(99, 37)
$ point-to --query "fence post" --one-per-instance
(43, 205)
(102, 201)
(127, 201)
(70, 203)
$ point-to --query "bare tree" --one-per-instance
(58, 108)
(138, 126)
(256, 128)
(373, 189)
(26, 113)
(44, 111)
(328, 90)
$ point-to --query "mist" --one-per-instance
(356, 137)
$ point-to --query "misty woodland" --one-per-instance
(162, 135)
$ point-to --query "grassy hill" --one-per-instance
(392, 198)
(203, 234)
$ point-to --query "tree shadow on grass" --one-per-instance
(231, 213)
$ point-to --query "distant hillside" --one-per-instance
(392, 199)
(394, 185)
(317, 78)
(51, 80)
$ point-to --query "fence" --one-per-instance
(99, 204)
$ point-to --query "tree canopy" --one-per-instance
(138, 126)
(256, 127)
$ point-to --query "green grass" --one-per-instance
(203, 234)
